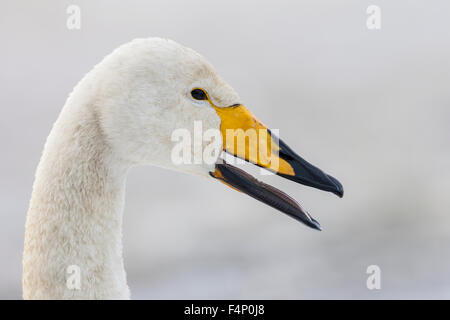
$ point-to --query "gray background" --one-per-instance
(369, 107)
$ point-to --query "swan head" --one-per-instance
(163, 104)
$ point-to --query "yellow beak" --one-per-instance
(246, 137)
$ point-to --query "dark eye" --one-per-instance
(199, 94)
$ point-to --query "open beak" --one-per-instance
(244, 136)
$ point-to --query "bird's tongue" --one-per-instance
(244, 182)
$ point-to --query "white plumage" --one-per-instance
(122, 113)
(125, 112)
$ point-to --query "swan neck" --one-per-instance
(73, 238)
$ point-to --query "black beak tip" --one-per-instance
(315, 225)
(309, 221)
(339, 192)
(338, 188)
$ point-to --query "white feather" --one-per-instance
(122, 113)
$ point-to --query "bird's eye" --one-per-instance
(199, 94)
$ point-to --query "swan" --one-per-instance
(121, 114)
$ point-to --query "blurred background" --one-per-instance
(370, 107)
